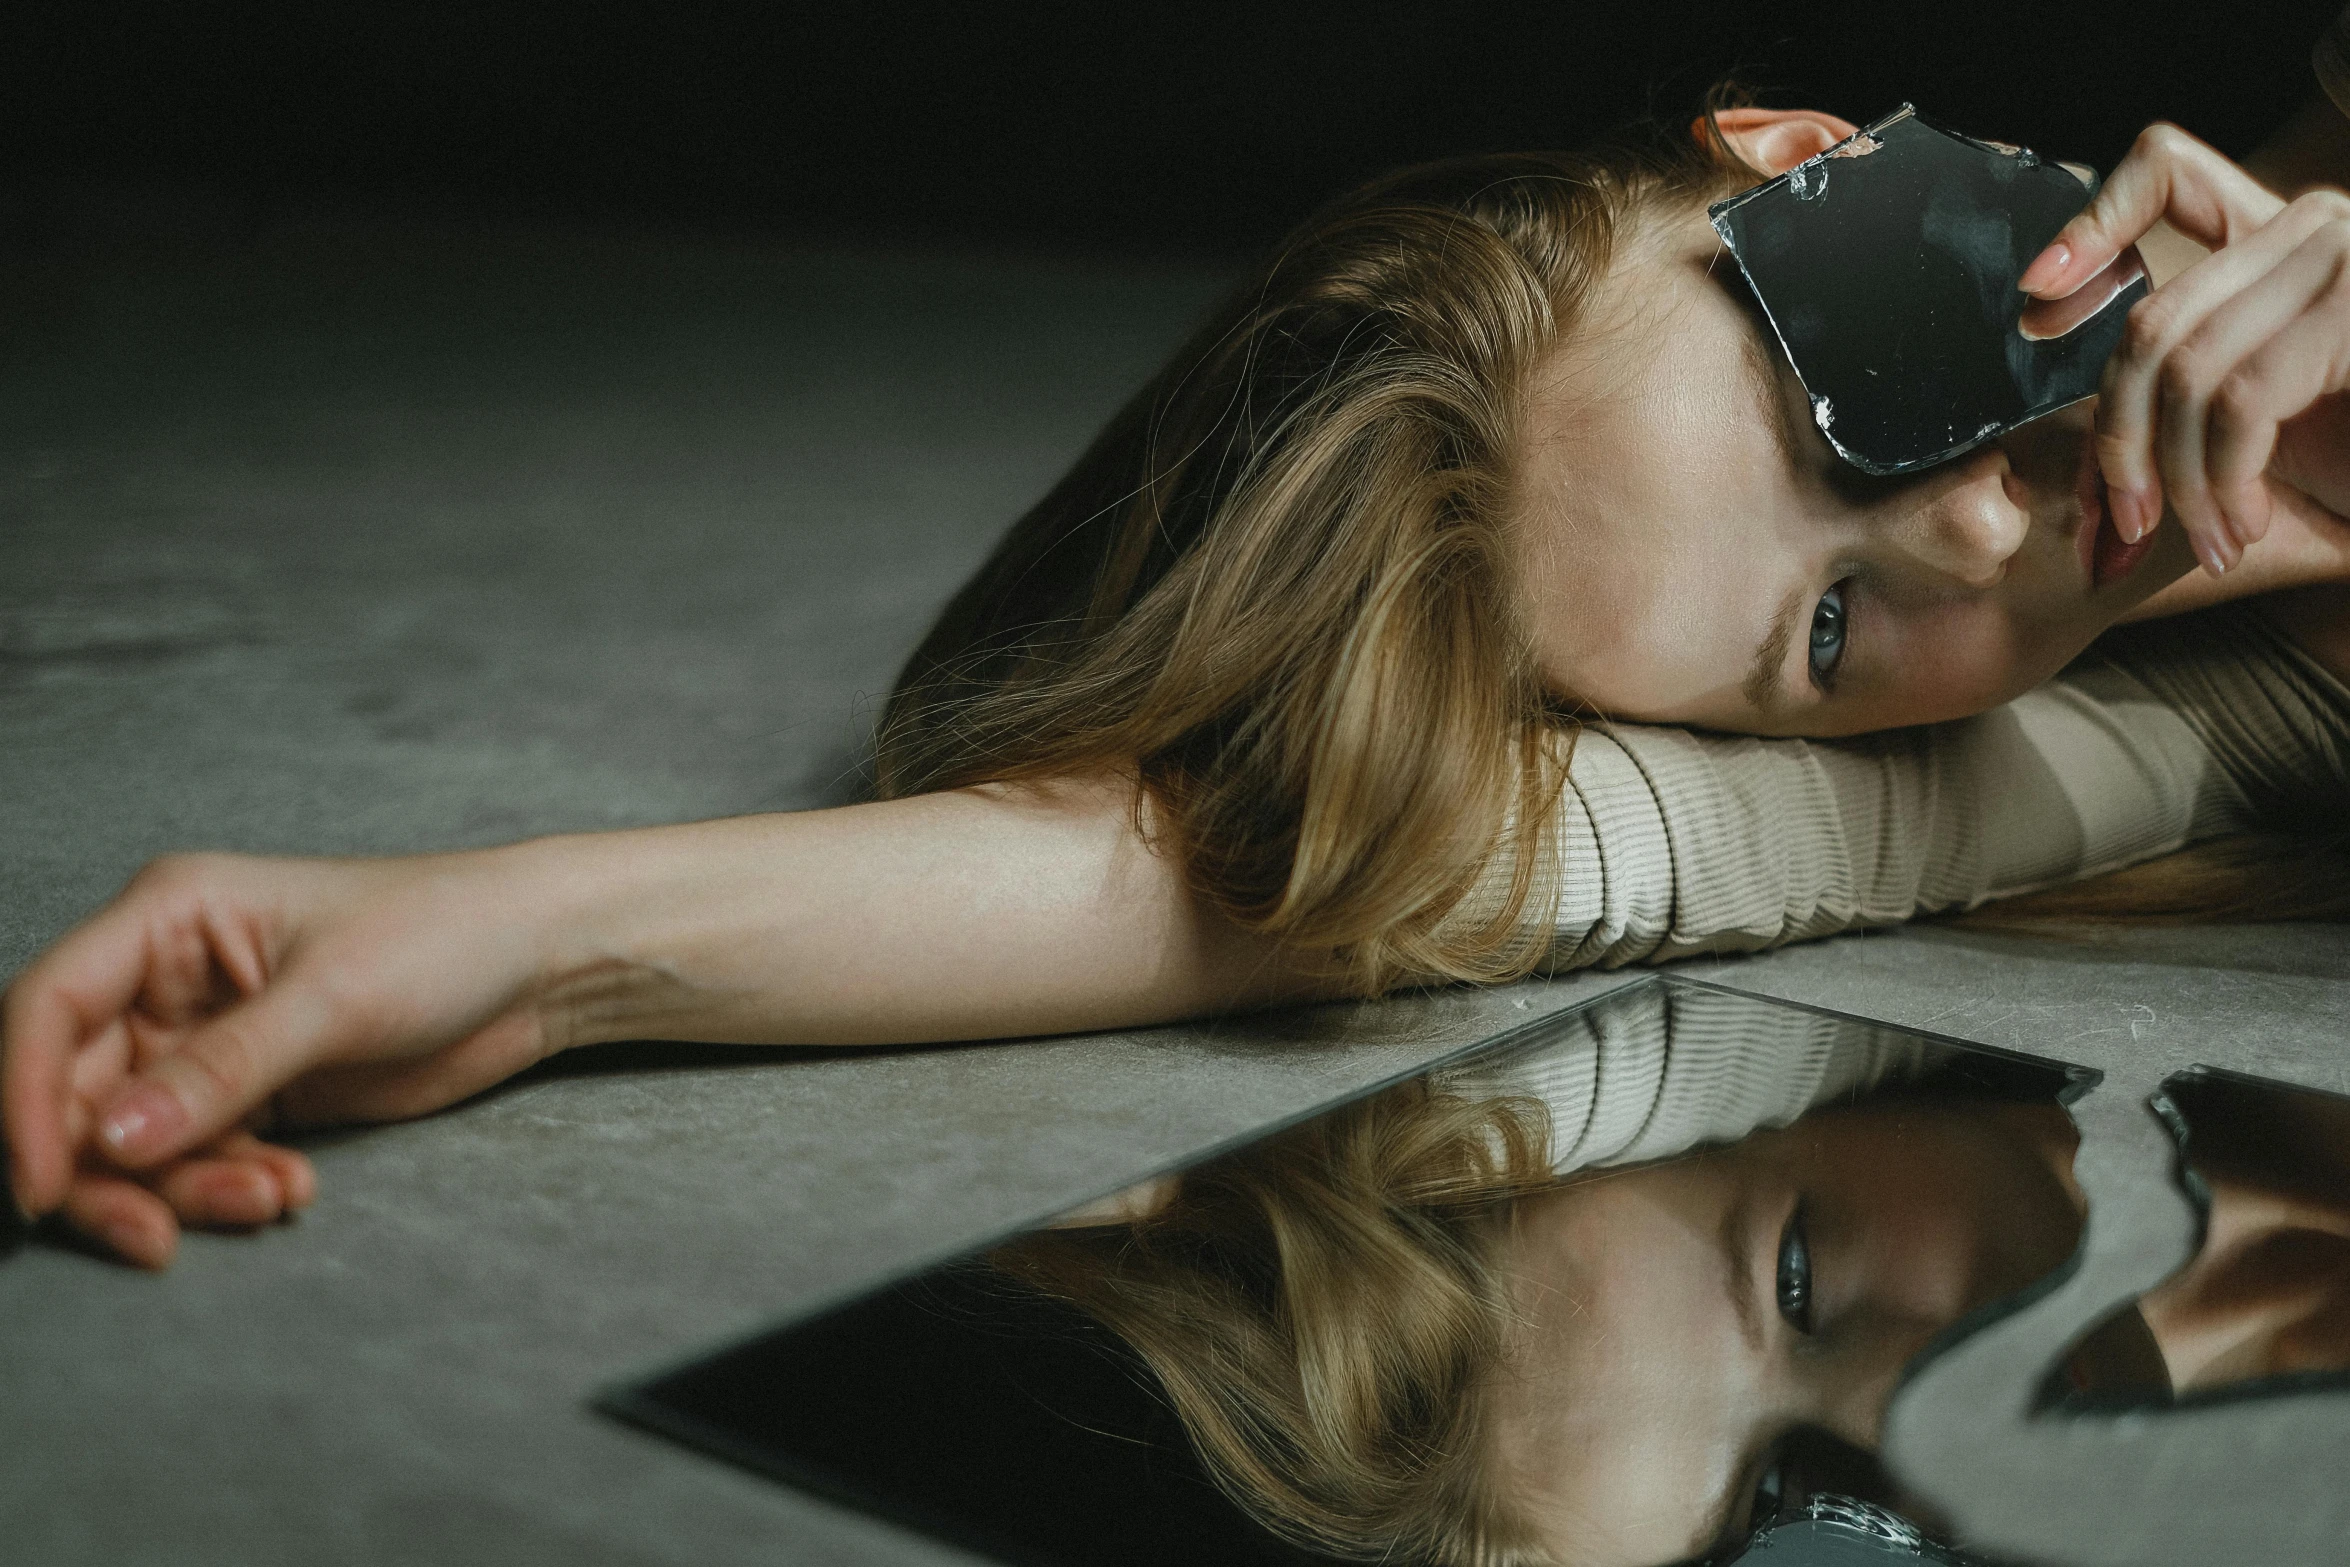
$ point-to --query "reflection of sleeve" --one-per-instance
(1657, 1072)
(1673, 843)
(2331, 58)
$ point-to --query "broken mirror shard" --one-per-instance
(1522, 1304)
(2263, 1308)
(1887, 268)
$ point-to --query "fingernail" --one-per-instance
(2044, 268)
(2214, 562)
(2128, 513)
(142, 1123)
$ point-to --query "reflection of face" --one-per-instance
(1696, 553)
(1662, 1361)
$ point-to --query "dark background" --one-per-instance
(1113, 125)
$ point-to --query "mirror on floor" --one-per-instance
(1633, 1285)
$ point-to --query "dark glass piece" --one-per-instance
(973, 1402)
(1887, 266)
(979, 1411)
(2264, 1307)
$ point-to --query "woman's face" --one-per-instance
(1680, 1321)
(1695, 553)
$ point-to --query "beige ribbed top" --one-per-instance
(1674, 843)
(1656, 1070)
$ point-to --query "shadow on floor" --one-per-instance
(2310, 950)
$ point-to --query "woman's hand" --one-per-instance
(218, 994)
(2226, 399)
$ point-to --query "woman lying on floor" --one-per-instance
(1353, 655)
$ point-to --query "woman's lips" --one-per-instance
(2116, 560)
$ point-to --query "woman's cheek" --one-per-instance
(1955, 660)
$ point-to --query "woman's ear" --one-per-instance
(1776, 140)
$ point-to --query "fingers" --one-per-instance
(2167, 175)
(213, 1081)
(296, 1179)
(155, 954)
(36, 1047)
(51, 1010)
(124, 1217)
(2183, 349)
(228, 1193)
(236, 1183)
(2048, 318)
(2278, 374)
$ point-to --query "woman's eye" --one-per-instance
(1827, 635)
(1795, 1289)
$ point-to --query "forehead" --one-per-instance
(1657, 544)
(1619, 1417)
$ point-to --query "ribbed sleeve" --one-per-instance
(1661, 1070)
(1671, 842)
(2271, 717)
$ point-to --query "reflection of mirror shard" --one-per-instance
(1388, 1332)
(2266, 1299)
(1519, 1309)
(1894, 296)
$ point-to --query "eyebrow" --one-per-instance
(1763, 686)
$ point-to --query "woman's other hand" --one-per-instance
(219, 994)
(2226, 398)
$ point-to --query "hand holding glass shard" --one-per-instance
(1887, 266)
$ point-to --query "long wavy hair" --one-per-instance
(1275, 594)
(1325, 1311)
(1276, 591)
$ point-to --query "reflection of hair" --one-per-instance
(1273, 589)
(1323, 1310)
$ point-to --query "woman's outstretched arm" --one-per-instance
(218, 989)
(218, 992)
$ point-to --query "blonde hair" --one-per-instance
(1274, 594)
(1324, 1312)
(1275, 591)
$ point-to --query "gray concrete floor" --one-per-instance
(371, 538)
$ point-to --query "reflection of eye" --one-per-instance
(1795, 1273)
(1827, 636)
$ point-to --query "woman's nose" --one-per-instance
(1967, 528)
